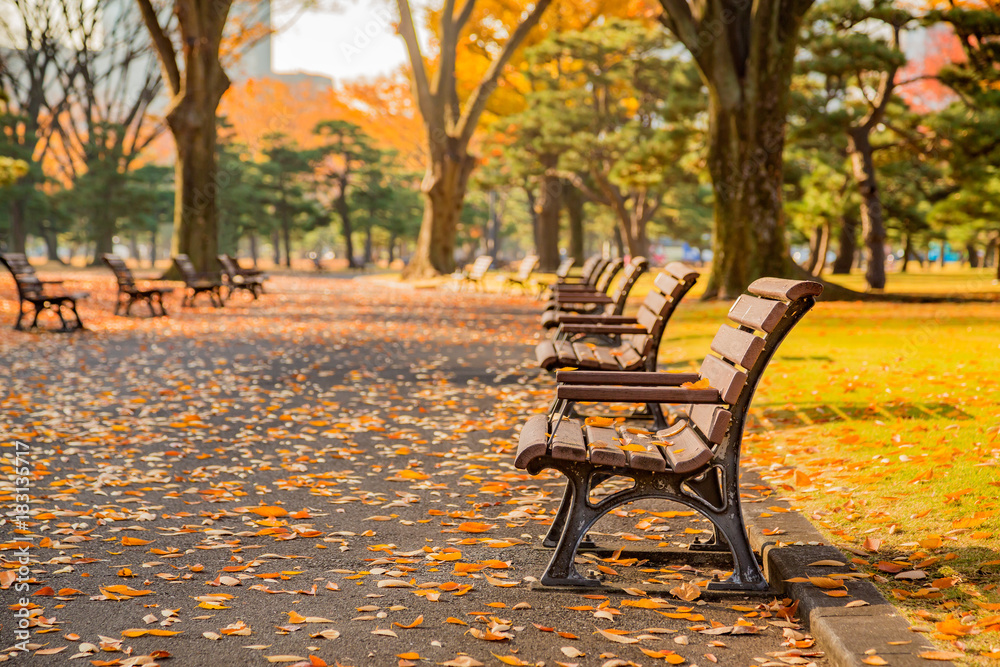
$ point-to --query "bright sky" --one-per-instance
(357, 39)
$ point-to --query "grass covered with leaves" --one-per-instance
(881, 422)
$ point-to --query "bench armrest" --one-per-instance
(583, 297)
(621, 394)
(596, 319)
(602, 329)
(626, 378)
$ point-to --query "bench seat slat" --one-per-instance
(568, 441)
(627, 356)
(608, 452)
(711, 420)
(585, 356)
(606, 359)
(686, 452)
(651, 458)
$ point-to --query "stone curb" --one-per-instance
(845, 634)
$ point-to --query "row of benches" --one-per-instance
(691, 455)
(36, 296)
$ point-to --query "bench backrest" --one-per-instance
(564, 267)
(184, 265)
(596, 271)
(122, 273)
(526, 267)
(229, 266)
(669, 287)
(634, 270)
(609, 274)
(28, 284)
(480, 267)
(762, 319)
(587, 269)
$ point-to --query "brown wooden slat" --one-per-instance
(639, 342)
(603, 448)
(656, 302)
(651, 458)
(545, 353)
(666, 283)
(585, 356)
(780, 288)
(608, 361)
(723, 377)
(531, 442)
(760, 314)
(568, 442)
(681, 271)
(647, 318)
(627, 356)
(739, 346)
(686, 452)
(637, 379)
(711, 420)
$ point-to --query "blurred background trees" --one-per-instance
(561, 128)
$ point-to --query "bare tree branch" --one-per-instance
(164, 47)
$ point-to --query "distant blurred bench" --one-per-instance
(41, 295)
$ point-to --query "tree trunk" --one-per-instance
(493, 226)
(344, 211)
(872, 219)
(944, 247)
(619, 242)
(18, 225)
(973, 251)
(745, 160)
(51, 244)
(286, 235)
(392, 248)
(253, 248)
(848, 245)
(907, 251)
(817, 249)
(276, 247)
(573, 201)
(989, 258)
(367, 259)
(153, 247)
(133, 246)
(445, 182)
(549, 207)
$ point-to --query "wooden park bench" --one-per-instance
(626, 343)
(597, 280)
(595, 303)
(129, 293)
(589, 272)
(476, 274)
(41, 295)
(520, 279)
(694, 462)
(197, 283)
(235, 277)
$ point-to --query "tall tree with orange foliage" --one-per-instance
(196, 80)
(449, 126)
